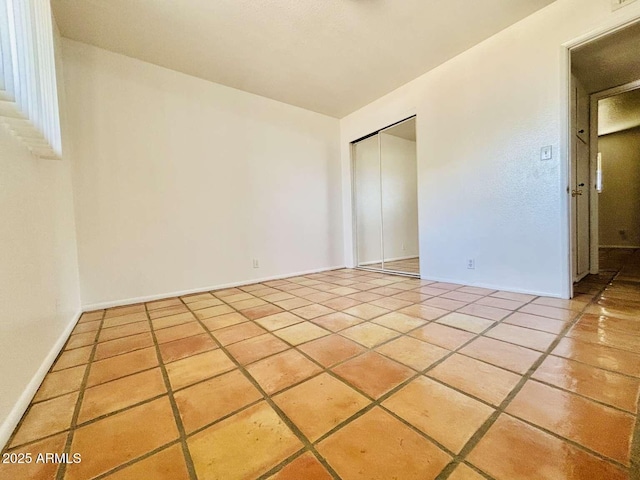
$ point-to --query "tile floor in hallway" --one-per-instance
(347, 375)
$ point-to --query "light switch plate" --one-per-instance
(616, 4)
(546, 153)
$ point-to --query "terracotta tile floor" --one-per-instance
(348, 375)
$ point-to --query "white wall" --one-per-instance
(39, 291)
(180, 183)
(619, 202)
(482, 118)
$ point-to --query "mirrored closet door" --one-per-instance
(386, 200)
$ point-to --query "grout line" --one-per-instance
(174, 406)
(62, 469)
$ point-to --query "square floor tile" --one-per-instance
(87, 327)
(444, 414)
(490, 313)
(607, 387)
(535, 322)
(211, 400)
(123, 345)
(312, 311)
(512, 449)
(168, 464)
(179, 331)
(341, 303)
(224, 320)
(463, 472)
(282, 370)
(172, 320)
(399, 321)
(123, 331)
(369, 334)
(159, 304)
(188, 299)
(413, 352)
(551, 312)
(301, 333)
(337, 321)
(366, 311)
(35, 470)
(279, 320)
(249, 303)
(118, 394)
(202, 304)
(165, 312)
(599, 428)
(524, 337)
(256, 348)
(122, 365)
(505, 355)
(119, 438)
(126, 310)
(198, 367)
(80, 340)
(186, 347)
(442, 336)
(330, 350)
(423, 311)
(237, 333)
(364, 296)
(243, 446)
(91, 316)
(124, 319)
(319, 404)
(46, 418)
(612, 338)
(72, 358)
(377, 446)
(501, 303)
(373, 374)
(482, 380)
(261, 311)
(521, 297)
(390, 303)
(465, 322)
(59, 383)
(292, 303)
(444, 303)
(306, 467)
(620, 361)
(213, 311)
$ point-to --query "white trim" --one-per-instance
(503, 288)
(160, 296)
(389, 260)
(20, 407)
(620, 246)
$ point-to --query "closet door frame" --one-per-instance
(354, 200)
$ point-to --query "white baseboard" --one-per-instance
(160, 296)
(492, 286)
(9, 424)
(619, 246)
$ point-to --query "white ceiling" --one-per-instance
(620, 112)
(329, 56)
(609, 61)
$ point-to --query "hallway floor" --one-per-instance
(347, 374)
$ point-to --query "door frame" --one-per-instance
(594, 204)
(354, 213)
(566, 138)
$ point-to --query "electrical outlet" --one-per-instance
(546, 153)
(471, 264)
(616, 4)
(256, 263)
